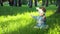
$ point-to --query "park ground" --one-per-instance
(17, 20)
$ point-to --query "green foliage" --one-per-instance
(39, 0)
(25, 2)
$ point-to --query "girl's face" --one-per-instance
(41, 13)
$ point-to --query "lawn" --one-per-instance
(17, 20)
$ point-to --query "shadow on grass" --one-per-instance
(53, 20)
(8, 10)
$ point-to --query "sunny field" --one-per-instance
(18, 20)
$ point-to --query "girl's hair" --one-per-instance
(43, 8)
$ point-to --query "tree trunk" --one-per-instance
(20, 3)
(54, 1)
(51, 2)
(43, 2)
(58, 9)
(35, 2)
(1, 2)
(58, 2)
(30, 3)
(15, 2)
(46, 3)
(11, 2)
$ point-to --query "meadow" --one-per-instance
(18, 20)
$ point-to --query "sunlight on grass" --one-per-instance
(49, 13)
(15, 22)
(23, 23)
(18, 21)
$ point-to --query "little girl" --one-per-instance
(41, 19)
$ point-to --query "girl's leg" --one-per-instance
(37, 25)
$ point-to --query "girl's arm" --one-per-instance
(37, 8)
(34, 16)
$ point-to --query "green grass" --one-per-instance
(17, 20)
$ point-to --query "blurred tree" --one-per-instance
(46, 3)
(39, 0)
(1, 2)
(11, 2)
(58, 3)
(30, 3)
(25, 2)
(54, 1)
(20, 2)
(35, 2)
(51, 2)
(15, 2)
(43, 2)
